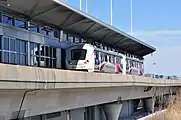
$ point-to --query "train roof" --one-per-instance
(70, 19)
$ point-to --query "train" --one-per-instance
(90, 58)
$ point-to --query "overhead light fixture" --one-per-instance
(8, 4)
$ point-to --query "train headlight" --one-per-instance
(86, 61)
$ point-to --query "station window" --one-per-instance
(14, 51)
(42, 55)
(83, 40)
(77, 39)
(42, 30)
(56, 33)
(7, 20)
(70, 38)
(49, 32)
(20, 23)
(46, 30)
(64, 37)
(33, 27)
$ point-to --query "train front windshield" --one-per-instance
(78, 54)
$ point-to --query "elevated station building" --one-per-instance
(35, 33)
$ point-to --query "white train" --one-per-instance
(86, 57)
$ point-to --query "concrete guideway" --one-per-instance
(23, 77)
(31, 91)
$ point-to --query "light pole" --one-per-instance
(80, 4)
(86, 6)
(131, 15)
(111, 12)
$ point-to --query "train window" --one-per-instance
(102, 57)
(131, 63)
(136, 64)
(114, 57)
(118, 60)
(127, 64)
(110, 59)
(78, 54)
(96, 58)
(106, 60)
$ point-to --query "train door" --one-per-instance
(97, 60)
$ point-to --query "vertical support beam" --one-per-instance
(149, 104)
(68, 116)
(127, 109)
(80, 4)
(131, 14)
(59, 58)
(28, 47)
(86, 5)
(112, 110)
(124, 65)
(111, 12)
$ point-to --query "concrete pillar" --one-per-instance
(68, 116)
(149, 104)
(97, 113)
(127, 108)
(77, 114)
(112, 110)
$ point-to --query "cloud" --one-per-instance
(168, 54)
(160, 38)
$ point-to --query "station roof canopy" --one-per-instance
(68, 18)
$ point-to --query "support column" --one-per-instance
(127, 109)
(150, 104)
(112, 110)
(68, 116)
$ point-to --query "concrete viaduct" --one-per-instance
(31, 92)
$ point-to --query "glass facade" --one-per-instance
(13, 51)
(21, 52)
(42, 55)
(7, 20)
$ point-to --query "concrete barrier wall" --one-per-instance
(159, 113)
(34, 77)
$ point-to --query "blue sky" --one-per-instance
(157, 22)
